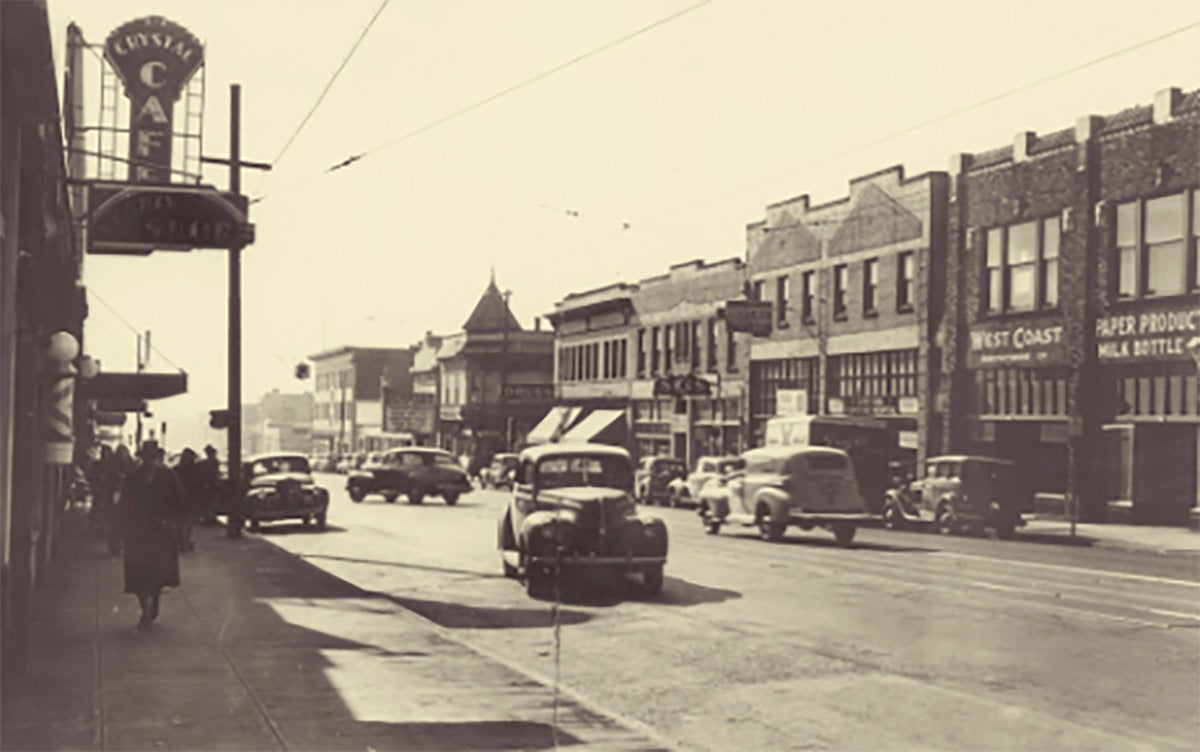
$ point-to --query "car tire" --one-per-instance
(844, 534)
(892, 520)
(769, 530)
(711, 526)
(321, 521)
(357, 493)
(306, 521)
(389, 498)
(450, 497)
(416, 496)
(255, 526)
(946, 522)
(652, 579)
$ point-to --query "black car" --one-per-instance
(415, 471)
(280, 486)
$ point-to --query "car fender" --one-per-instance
(777, 501)
(540, 519)
(717, 501)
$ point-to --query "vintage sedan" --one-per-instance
(654, 477)
(572, 509)
(279, 486)
(781, 486)
(686, 490)
(961, 493)
(500, 471)
(418, 472)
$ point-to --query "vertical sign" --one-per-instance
(154, 58)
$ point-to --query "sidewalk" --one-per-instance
(259, 650)
(1156, 538)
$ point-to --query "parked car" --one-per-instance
(686, 490)
(500, 471)
(416, 471)
(323, 463)
(654, 476)
(279, 486)
(782, 486)
(960, 493)
(572, 509)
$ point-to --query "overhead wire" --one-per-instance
(134, 329)
(477, 104)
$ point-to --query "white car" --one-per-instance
(686, 490)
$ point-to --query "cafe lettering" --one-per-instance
(1149, 335)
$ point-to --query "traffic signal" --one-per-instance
(218, 419)
(302, 371)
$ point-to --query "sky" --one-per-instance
(566, 145)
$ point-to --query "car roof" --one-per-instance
(970, 458)
(277, 455)
(418, 450)
(791, 450)
(504, 456)
(536, 453)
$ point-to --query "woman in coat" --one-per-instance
(151, 504)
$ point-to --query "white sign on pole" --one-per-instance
(791, 401)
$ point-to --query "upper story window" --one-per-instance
(756, 290)
(711, 349)
(1021, 266)
(641, 352)
(904, 281)
(839, 291)
(807, 294)
(782, 293)
(1154, 255)
(730, 350)
(870, 284)
(654, 333)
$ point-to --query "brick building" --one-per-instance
(410, 401)
(855, 286)
(347, 396)
(1075, 291)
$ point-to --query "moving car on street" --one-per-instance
(279, 486)
(572, 509)
(961, 493)
(416, 471)
(654, 476)
(782, 486)
(500, 471)
(687, 490)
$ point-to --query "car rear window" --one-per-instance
(825, 462)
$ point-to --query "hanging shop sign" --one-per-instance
(139, 219)
(1016, 345)
(687, 385)
(154, 58)
(527, 393)
(1148, 335)
(752, 316)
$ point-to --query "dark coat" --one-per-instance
(151, 504)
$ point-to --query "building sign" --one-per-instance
(1016, 345)
(412, 413)
(527, 393)
(154, 58)
(687, 385)
(450, 412)
(138, 219)
(791, 401)
(1161, 334)
(864, 405)
(753, 316)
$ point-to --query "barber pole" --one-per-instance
(60, 427)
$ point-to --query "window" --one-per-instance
(695, 345)
(712, 345)
(807, 293)
(641, 352)
(839, 291)
(1153, 253)
(756, 290)
(870, 283)
(904, 281)
(1021, 264)
(667, 333)
(654, 350)
(782, 290)
(730, 350)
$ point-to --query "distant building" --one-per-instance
(347, 394)
(410, 399)
(278, 423)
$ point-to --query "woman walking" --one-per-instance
(151, 502)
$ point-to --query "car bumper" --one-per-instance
(586, 562)
(800, 516)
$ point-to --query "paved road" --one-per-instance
(905, 641)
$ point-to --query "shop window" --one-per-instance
(807, 294)
(1021, 266)
(870, 284)
(839, 291)
(904, 281)
(1153, 255)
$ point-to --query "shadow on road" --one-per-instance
(602, 592)
(481, 735)
(293, 528)
(461, 616)
(406, 565)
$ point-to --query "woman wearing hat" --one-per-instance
(151, 503)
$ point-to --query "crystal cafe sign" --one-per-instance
(154, 58)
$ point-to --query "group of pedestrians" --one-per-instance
(147, 511)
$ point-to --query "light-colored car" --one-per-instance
(571, 509)
(960, 493)
(686, 490)
(782, 486)
(279, 486)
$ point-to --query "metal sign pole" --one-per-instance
(233, 520)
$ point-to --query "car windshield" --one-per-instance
(271, 465)
(730, 466)
(594, 470)
(442, 459)
(672, 468)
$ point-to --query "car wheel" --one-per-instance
(770, 530)
(389, 498)
(891, 517)
(675, 500)
(946, 522)
(357, 493)
(711, 526)
(321, 521)
(416, 496)
(306, 522)
(652, 579)
(254, 525)
(450, 497)
(844, 534)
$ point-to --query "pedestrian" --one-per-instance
(189, 480)
(151, 502)
(208, 483)
(106, 479)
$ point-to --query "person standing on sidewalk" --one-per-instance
(151, 503)
(208, 480)
(188, 472)
(105, 479)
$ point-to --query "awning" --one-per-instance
(556, 421)
(601, 427)
(127, 392)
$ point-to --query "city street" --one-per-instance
(906, 640)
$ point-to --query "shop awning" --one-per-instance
(601, 427)
(556, 421)
(127, 392)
